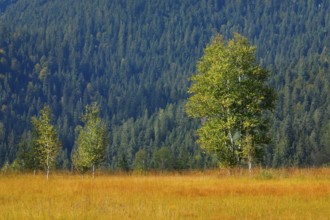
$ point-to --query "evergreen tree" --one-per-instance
(163, 159)
(25, 157)
(141, 161)
(59, 53)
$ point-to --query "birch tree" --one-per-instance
(91, 142)
(230, 94)
(46, 144)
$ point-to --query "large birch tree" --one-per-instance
(229, 93)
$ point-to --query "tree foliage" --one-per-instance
(230, 94)
(141, 161)
(134, 58)
(46, 144)
(25, 158)
(91, 142)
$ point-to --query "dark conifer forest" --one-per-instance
(135, 58)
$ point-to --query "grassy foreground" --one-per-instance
(264, 194)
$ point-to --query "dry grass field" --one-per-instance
(263, 194)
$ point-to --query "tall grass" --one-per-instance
(263, 194)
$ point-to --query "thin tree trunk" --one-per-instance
(250, 163)
(231, 141)
(93, 171)
(47, 161)
(47, 172)
(250, 151)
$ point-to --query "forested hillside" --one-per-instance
(135, 58)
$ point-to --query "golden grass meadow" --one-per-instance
(262, 194)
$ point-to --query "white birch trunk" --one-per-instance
(47, 172)
(250, 163)
(47, 162)
(231, 141)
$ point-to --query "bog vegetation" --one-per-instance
(262, 194)
(134, 59)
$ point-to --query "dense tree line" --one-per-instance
(135, 58)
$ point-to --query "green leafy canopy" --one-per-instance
(230, 93)
(46, 144)
(92, 140)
